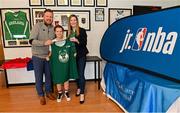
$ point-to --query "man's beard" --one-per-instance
(47, 23)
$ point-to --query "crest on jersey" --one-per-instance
(63, 56)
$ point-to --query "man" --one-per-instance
(40, 38)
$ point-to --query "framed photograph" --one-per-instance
(61, 17)
(118, 13)
(76, 2)
(62, 2)
(49, 2)
(139, 10)
(37, 15)
(101, 3)
(35, 2)
(88, 3)
(16, 27)
(99, 14)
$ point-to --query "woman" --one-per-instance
(78, 35)
(63, 63)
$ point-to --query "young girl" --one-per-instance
(63, 63)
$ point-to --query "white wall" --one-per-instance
(97, 28)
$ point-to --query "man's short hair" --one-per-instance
(48, 10)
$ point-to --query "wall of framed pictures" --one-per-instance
(94, 16)
(75, 3)
(99, 18)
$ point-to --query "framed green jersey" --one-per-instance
(16, 27)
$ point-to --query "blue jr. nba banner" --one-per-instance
(150, 41)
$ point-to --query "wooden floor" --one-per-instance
(24, 99)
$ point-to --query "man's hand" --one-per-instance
(48, 42)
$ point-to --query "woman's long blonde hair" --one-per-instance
(70, 27)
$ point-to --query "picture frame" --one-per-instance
(118, 13)
(139, 10)
(62, 2)
(35, 2)
(16, 30)
(88, 3)
(101, 3)
(37, 15)
(61, 17)
(99, 14)
(76, 3)
(49, 2)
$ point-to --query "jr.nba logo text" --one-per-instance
(150, 41)
(138, 42)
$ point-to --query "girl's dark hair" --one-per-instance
(58, 26)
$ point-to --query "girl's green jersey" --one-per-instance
(63, 62)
